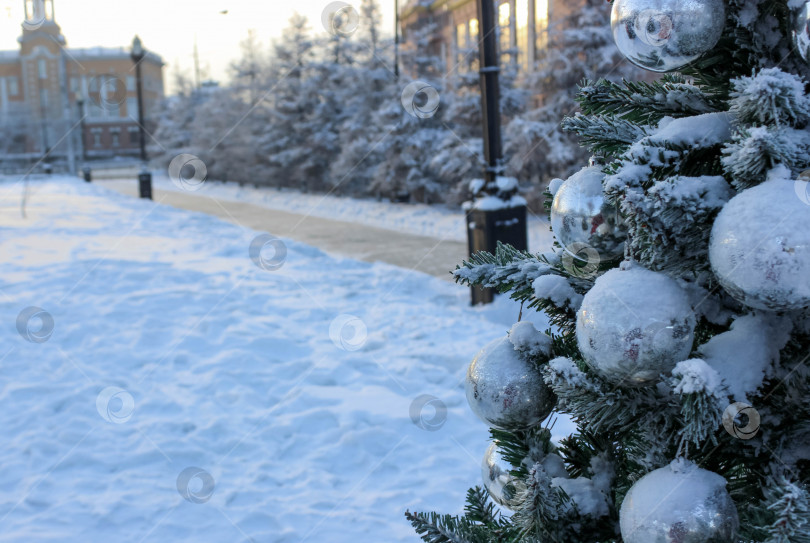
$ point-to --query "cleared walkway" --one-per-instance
(429, 255)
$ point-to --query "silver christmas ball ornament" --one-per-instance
(505, 389)
(634, 325)
(679, 503)
(666, 35)
(583, 222)
(801, 30)
(500, 484)
(760, 248)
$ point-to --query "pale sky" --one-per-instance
(168, 27)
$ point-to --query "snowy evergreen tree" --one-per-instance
(678, 298)
(285, 138)
(246, 72)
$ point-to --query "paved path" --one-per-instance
(428, 255)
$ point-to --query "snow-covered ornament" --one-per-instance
(666, 35)
(505, 388)
(634, 325)
(500, 484)
(587, 226)
(760, 246)
(801, 30)
(679, 503)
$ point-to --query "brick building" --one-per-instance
(70, 103)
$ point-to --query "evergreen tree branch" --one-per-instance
(643, 103)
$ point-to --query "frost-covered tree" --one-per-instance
(291, 105)
(247, 70)
(678, 300)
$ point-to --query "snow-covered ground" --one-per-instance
(434, 221)
(188, 389)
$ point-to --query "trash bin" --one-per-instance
(145, 184)
(88, 174)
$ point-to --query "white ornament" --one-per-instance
(635, 324)
(500, 484)
(679, 503)
(665, 35)
(583, 222)
(505, 389)
(760, 246)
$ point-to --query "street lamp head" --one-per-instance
(137, 49)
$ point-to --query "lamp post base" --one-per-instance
(486, 228)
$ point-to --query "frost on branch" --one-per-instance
(770, 97)
(670, 223)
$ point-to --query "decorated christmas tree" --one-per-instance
(678, 293)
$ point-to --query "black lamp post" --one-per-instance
(396, 39)
(82, 148)
(144, 177)
(485, 227)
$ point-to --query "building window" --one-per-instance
(115, 133)
(461, 47)
(74, 85)
(504, 26)
(96, 137)
(94, 111)
(134, 134)
(474, 44)
(132, 108)
(43, 68)
(43, 98)
(131, 83)
(13, 86)
(541, 23)
(522, 32)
